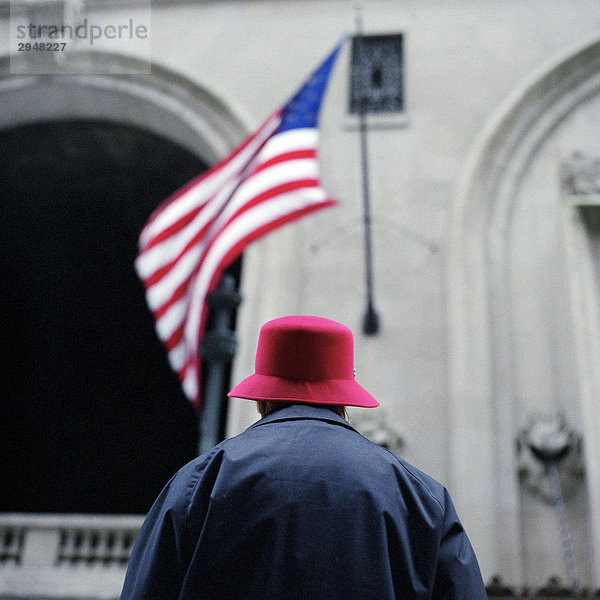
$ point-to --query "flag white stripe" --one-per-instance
(289, 141)
(177, 357)
(171, 319)
(189, 383)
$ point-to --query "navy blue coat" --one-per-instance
(301, 506)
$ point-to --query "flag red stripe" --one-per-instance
(282, 188)
(292, 155)
(175, 337)
(174, 228)
(174, 297)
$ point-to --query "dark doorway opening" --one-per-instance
(94, 419)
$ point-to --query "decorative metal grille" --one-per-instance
(377, 74)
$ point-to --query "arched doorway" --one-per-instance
(98, 422)
(515, 301)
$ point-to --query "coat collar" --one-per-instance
(297, 412)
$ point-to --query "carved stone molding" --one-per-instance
(376, 426)
(166, 102)
(547, 438)
(481, 308)
(580, 175)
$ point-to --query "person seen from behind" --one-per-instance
(301, 506)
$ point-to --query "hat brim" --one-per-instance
(268, 388)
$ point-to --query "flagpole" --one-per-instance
(371, 318)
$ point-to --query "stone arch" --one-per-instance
(163, 102)
(480, 306)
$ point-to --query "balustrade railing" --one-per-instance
(77, 557)
(65, 556)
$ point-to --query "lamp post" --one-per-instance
(217, 349)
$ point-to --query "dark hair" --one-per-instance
(266, 408)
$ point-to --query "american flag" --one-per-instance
(193, 236)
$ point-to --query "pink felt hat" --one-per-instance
(304, 359)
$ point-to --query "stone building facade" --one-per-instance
(484, 197)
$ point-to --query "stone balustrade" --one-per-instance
(65, 556)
